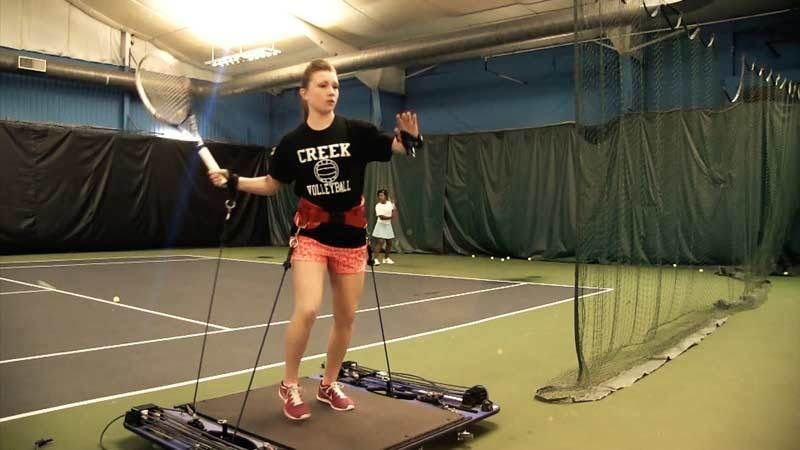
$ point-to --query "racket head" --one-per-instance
(164, 93)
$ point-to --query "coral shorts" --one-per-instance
(339, 260)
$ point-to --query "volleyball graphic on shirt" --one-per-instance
(326, 170)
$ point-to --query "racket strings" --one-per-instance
(168, 95)
(191, 125)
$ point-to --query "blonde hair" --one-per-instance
(317, 65)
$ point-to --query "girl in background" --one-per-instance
(383, 231)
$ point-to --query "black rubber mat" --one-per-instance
(377, 423)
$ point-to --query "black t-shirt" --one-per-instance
(328, 168)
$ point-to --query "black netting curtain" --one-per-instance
(68, 189)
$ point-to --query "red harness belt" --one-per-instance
(310, 216)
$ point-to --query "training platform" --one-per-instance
(416, 413)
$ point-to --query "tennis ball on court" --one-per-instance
(473, 256)
(116, 299)
(786, 273)
(492, 258)
(674, 265)
(502, 259)
(529, 258)
(699, 270)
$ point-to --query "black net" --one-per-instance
(684, 197)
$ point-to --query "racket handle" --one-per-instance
(208, 158)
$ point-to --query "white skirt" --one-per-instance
(383, 231)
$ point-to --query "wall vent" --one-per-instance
(35, 64)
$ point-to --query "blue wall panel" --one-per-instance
(237, 118)
(141, 121)
(682, 73)
(36, 98)
(39, 99)
(464, 96)
(391, 104)
(285, 114)
(355, 100)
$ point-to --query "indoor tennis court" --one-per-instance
(439, 224)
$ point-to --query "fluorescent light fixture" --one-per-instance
(237, 23)
(230, 23)
(657, 3)
(242, 56)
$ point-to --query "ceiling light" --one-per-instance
(235, 23)
(242, 56)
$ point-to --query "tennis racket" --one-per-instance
(168, 97)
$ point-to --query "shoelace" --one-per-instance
(294, 396)
(336, 387)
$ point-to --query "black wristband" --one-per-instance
(233, 183)
(411, 143)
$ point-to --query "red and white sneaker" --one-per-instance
(293, 405)
(333, 395)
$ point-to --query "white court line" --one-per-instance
(97, 258)
(203, 257)
(425, 275)
(278, 364)
(23, 292)
(108, 263)
(120, 305)
(246, 327)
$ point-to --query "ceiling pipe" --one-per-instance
(72, 70)
(489, 52)
(503, 50)
(410, 52)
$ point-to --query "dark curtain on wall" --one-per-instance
(280, 210)
(642, 204)
(655, 187)
(68, 189)
(417, 187)
(508, 193)
(511, 193)
(793, 246)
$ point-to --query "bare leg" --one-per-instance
(347, 289)
(388, 248)
(376, 247)
(308, 278)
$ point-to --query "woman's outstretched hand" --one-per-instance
(407, 121)
(407, 138)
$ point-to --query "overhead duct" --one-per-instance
(515, 47)
(87, 73)
(410, 52)
(72, 70)
(488, 52)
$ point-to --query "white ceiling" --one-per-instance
(359, 23)
(356, 23)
